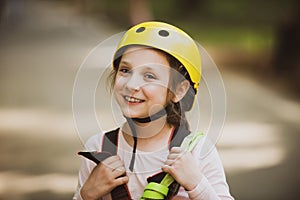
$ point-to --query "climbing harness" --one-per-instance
(160, 190)
(161, 185)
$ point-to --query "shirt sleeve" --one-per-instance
(93, 144)
(213, 185)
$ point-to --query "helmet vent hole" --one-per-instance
(141, 29)
(163, 33)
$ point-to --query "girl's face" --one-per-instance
(141, 83)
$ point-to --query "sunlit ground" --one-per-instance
(259, 121)
(250, 146)
(38, 152)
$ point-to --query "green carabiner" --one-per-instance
(160, 190)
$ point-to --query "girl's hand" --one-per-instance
(104, 178)
(182, 166)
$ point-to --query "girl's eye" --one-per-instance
(150, 76)
(124, 70)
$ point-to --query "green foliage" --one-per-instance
(241, 24)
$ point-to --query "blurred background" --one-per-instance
(255, 45)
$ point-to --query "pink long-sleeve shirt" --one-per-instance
(213, 185)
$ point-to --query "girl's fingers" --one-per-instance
(121, 180)
(174, 156)
(166, 168)
(119, 171)
(113, 162)
(175, 153)
(169, 162)
(176, 150)
(110, 160)
(115, 165)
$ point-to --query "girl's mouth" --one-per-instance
(133, 100)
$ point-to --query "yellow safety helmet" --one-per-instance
(167, 38)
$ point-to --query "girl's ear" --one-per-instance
(180, 91)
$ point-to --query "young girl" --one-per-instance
(155, 77)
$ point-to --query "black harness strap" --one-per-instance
(176, 139)
(110, 145)
(110, 142)
(178, 136)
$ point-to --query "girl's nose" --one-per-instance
(134, 82)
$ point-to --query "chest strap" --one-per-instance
(176, 140)
(110, 144)
(110, 148)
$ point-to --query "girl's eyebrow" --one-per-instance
(156, 69)
(144, 67)
(150, 68)
(125, 62)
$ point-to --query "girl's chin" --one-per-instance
(130, 115)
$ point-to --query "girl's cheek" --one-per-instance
(119, 82)
(158, 91)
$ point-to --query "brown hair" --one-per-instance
(175, 111)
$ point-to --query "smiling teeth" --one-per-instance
(132, 100)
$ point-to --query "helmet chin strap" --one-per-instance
(151, 118)
(131, 121)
